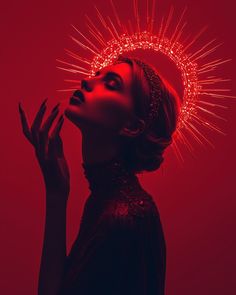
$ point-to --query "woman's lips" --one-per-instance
(78, 93)
(75, 100)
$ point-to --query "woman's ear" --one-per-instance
(133, 127)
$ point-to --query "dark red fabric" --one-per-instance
(120, 248)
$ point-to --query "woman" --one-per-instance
(127, 115)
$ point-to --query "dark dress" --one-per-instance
(120, 248)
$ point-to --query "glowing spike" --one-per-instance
(213, 89)
(180, 32)
(95, 47)
(136, 15)
(167, 22)
(177, 151)
(201, 49)
(194, 134)
(114, 28)
(209, 125)
(94, 27)
(97, 37)
(116, 14)
(73, 71)
(212, 104)
(75, 56)
(211, 113)
(212, 81)
(218, 95)
(83, 45)
(153, 15)
(186, 142)
(101, 18)
(65, 90)
(73, 65)
(130, 27)
(207, 52)
(178, 24)
(147, 17)
(214, 64)
(195, 38)
(73, 81)
(160, 29)
(198, 132)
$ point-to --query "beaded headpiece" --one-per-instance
(154, 83)
(197, 76)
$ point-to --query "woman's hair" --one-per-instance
(145, 152)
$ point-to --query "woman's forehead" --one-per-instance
(122, 69)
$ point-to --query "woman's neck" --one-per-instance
(99, 146)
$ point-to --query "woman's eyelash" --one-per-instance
(110, 79)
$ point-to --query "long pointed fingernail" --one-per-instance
(56, 107)
(44, 102)
(19, 106)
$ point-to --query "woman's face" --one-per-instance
(107, 99)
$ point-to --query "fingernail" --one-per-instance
(44, 102)
(56, 107)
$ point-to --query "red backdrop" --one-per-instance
(196, 200)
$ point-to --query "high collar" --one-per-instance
(110, 176)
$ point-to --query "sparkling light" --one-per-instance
(125, 39)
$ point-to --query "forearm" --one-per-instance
(54, 248)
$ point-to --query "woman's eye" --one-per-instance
(112, 84)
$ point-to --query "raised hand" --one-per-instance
(49, 151)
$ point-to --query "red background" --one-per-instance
(196, 200)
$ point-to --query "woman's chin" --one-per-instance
(80, 121)
(85, 122)
(72, 115)
(72, 111)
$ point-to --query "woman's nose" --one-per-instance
(86, 85)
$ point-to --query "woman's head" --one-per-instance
(108, 101)
(118, 99)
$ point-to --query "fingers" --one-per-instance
(48, 123)
(38, 135)
(24, 123)
(55, 145)
(38, 120)
(57, 128)
(43, 132)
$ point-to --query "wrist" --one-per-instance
(56, 199)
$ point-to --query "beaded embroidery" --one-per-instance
(109, 176)
(111, 181)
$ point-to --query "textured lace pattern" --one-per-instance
(111, 180)
(108, 176)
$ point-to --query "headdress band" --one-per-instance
(154, 83)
